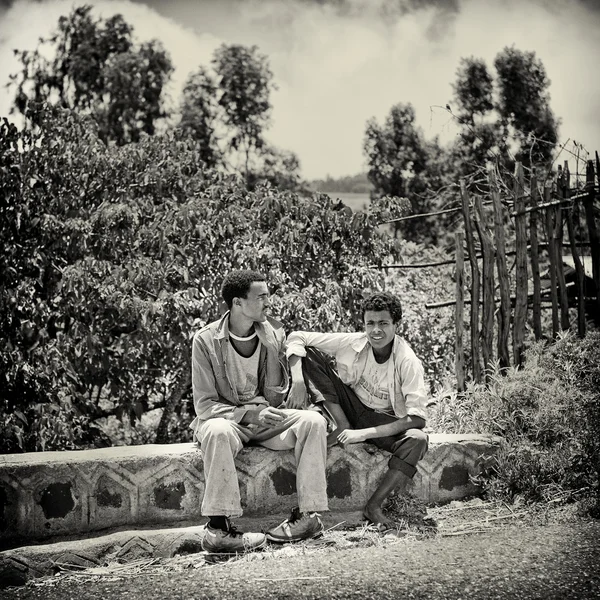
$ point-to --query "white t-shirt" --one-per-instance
(245, 372)
(372, 388)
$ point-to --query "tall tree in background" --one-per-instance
(481, 137)
(403, 164)
(245, 82)
(98, 70)
(524, 105)
(505, 118)
(227, 112)
(200, 115)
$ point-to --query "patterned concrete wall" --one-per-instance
(68, 493)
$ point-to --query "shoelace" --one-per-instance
(295, 516)
(233, 531)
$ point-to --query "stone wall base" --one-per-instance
(49, 495)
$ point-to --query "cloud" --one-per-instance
(338, 63)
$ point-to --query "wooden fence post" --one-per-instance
(521, 291)
(550, 229)
(503, 280)
(535, 261)
(560, 270)
(579, 273)
(487, 252)
(592, 228)
(459, 359)
(475, 354)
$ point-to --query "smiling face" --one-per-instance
(255, 306)
(380, 330)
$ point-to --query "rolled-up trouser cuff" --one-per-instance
(397, 464)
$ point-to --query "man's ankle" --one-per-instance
(218, 522)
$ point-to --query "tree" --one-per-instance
(280, 168)
(481, 139)
(200, 115)
(245, 82)
(403, 164)
(524, 105)
(506, 118)
(227, 112)
(98, 70)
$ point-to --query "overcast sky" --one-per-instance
(338, 63)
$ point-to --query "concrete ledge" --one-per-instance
(70, 493)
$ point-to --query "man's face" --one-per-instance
(380, 328)
(256, 304)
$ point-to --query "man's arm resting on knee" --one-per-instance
(297, 394)
(353, 436)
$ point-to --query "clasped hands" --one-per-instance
(269, 416)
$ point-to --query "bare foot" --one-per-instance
(375, 515)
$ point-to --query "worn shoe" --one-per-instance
(300, 526)
(231, 541)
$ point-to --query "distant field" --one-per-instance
(354, 201)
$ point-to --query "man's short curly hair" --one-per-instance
(237, 284)
(384, 301)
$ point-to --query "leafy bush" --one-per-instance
(115, 255)
(548, 414)
(429, 332)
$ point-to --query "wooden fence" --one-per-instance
(538, 220)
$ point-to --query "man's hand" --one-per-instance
(298, 395)
(270, 416)
(351, 436)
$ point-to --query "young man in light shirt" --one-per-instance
(376, 394)
(240, 382)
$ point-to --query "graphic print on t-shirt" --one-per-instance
(245, 373)
(372, 388)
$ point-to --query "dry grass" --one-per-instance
(415, 522)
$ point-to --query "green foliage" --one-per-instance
(96, 68)
(548, 414)
(503, 119)
(227, 111)
(403, 164)
(115, 255)
(199, 115)
(430, 333)
(524, 104)
(245, 82)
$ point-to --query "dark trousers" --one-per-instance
(324, 385)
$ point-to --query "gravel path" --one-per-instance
(556, 561)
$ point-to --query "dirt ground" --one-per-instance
(416, 524)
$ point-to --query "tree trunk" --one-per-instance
(183, 383)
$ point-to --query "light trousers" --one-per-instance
(305, 433)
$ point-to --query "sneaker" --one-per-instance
(231, 541)
(300, 526)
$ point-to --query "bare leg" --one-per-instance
(392, 480)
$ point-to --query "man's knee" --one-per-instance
(217, 430)
(412, 446)
(418, 439)
(312, 419)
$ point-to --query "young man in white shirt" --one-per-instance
(376, 394)
(239, 381)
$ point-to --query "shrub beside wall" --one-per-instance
(549, 416)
